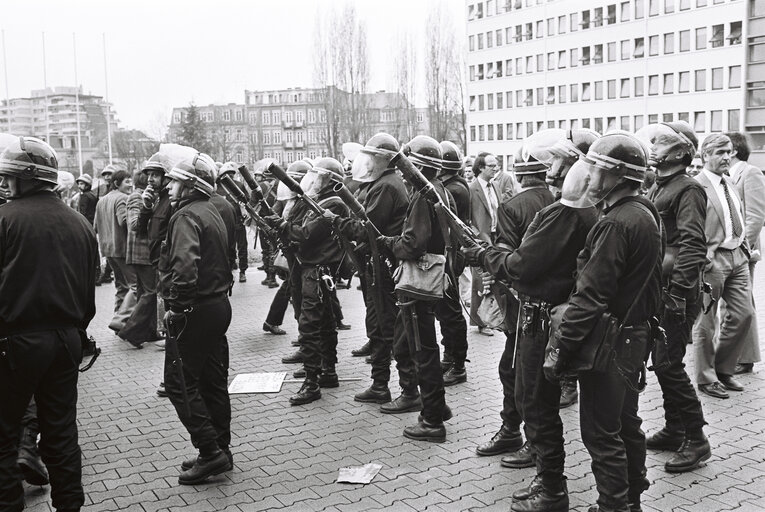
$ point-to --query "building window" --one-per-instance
(490, 102)
(481, 133)
(509, 99)
(701, 38)
(499, 103)
(717, 78)
(611, 85)
(718, 33)
(278, 156)
(518, 65)
(734, 77)
(700, 80)
(669, 6)
(684, 81)
(266, 154)
(574, 57)
(597, 17)
(500, 135)
(540, 96)
(586, 123)
(574, 90)
(685, 40)
(498, 36)
(519, 102)
(624, 89)
(611, 124)
(734, 120)
(598, 125)
(550, 27)
(684, 116)
(639, 86)
(312, 136)
(287, 137)
(561, 94)
(253, 118)
(176, 117)
(529, 31)
(561, 25)
(573, 21)
(277, 137)
(625, 14)
(238, 115)
(227, 115)
(562, 59)
(586, 91)
(734, 37)
(266, 118)
(625, 123)
(625, 47)
(480, 41)
(639, 9)
(653, 45)
(472, 134)
(480, 104)
(669, 43)
(666, 118)
(529, 64)
(276, 117)
(669, 83)
(529, 101)
(550, 61)
(699, 122)
(540, 29)
(715, 118)
(299, 136)
(653, 85)
(638, 121)
(639, 48)
(611, 14)
(509, 131)
(490, 132)
(585, 24)
(551, 95)
(289, 157)
(498, 72)
(597, 56)
(598, 91)
(267, 138)
(585, 60)
(489, 39)
(653, 7)
(299, 116)
(540, 62)
(471, 43)
(611, 49)
(311, 116)
(685, 5)
(239, 135)
(288, 116)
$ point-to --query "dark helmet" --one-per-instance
(298, 169)
(198, 173)
(525, 164)
(620, 152)
(29, 158)
(227, 168)
(425, 151)
(382, 141)
(451, 157)
(669, 143)
(331, 166)
(684, 129)
(157, 162)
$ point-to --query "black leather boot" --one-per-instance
(299, 374)
(688, 457)
(446, 362)
(363, 351)
(522, 458)
(296, 357)
(665, 439)
(32, 467)
(446, 414)
(568, 393)
(209, 463)
(549, 497)
(504, 441)
(189, 463)
(456, 374)
(527, 492)
(328, 378)
(426, 431)
(403, 403)
(378, 393)
(309, 391)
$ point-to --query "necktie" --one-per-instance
(734, 218)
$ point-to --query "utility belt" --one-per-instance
(534, 314)
(203, 301)
(324, 273)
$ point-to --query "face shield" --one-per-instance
(575, 191)
(370, 164)
(283, 193)
(555, 148)
(308, 180)
(666, 145)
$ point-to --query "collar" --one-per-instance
(713, 178)
(663, 180)
(620, 202)
(483, 181)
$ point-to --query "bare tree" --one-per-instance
(444, 76)
(405, 65)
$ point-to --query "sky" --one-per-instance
(166, 53)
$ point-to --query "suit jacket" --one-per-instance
(505, 183)
(714, 227)
(750, 185)
(480, 212)
(111, 224)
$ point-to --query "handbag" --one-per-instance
(423, 278)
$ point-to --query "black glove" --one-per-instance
(555, 365)
(474, 255)
(275, 221)
(330, 217)
(386, 241)
(674, 306)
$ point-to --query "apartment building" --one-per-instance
(609, 65)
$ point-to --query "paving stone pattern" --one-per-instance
(287, 458)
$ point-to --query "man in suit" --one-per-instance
(750, 185)
(727, 271)
(484, 201)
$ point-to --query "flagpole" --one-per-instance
(45, 86)
(108, 105)
(7, 92)
(77, 103)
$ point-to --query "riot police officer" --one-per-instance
(619, 271)
(47, 300)
(682, 203)
(195, 278)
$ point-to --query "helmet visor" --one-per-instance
(283, 192)
(664, 143)
(308, 180)
(369, 165)
(576, 191)
(541, 144)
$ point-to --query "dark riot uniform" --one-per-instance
(319, 255)
(240, 235)
(449, 309)
(47, 299)
(385, 203)
(682, 204)
(195, 278)
(542, 271)
(514, 216)
(623, 252)
(421, 234)
(228, 215)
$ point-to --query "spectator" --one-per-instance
(750, 185)
(727, 271)
(696, 166)
(87, 203)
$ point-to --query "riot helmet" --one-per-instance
(451, 158)
(671, 144)
(374, 158)
(560, 149)
(325, 174)
(296, 171)
(157, 162)
(196, 173)
(227, 168)
(425, 153)
(28, 158)
(525, 164)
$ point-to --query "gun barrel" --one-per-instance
(294, 186)
(247, 176)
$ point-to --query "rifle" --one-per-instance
(256, 193)
(421, 184)
(377, 263)
(294, 186)
(237, 194)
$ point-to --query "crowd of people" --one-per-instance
(595, 256)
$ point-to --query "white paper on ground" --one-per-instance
(358, 475)
(257, 383)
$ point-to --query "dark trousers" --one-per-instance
(453, 326)
(419, 324)
(538, 397)
(511, 416)
(43, 364)
(316, 325)
(268, 253)
(380, 323)
(142, 324)
(682, 408)
(611, 432)
(203, 347)
(124, 278)
(279, 304)
(241, 247)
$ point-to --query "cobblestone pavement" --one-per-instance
(288, 457)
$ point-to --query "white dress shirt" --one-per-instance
(491, 200)
(730, 242)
